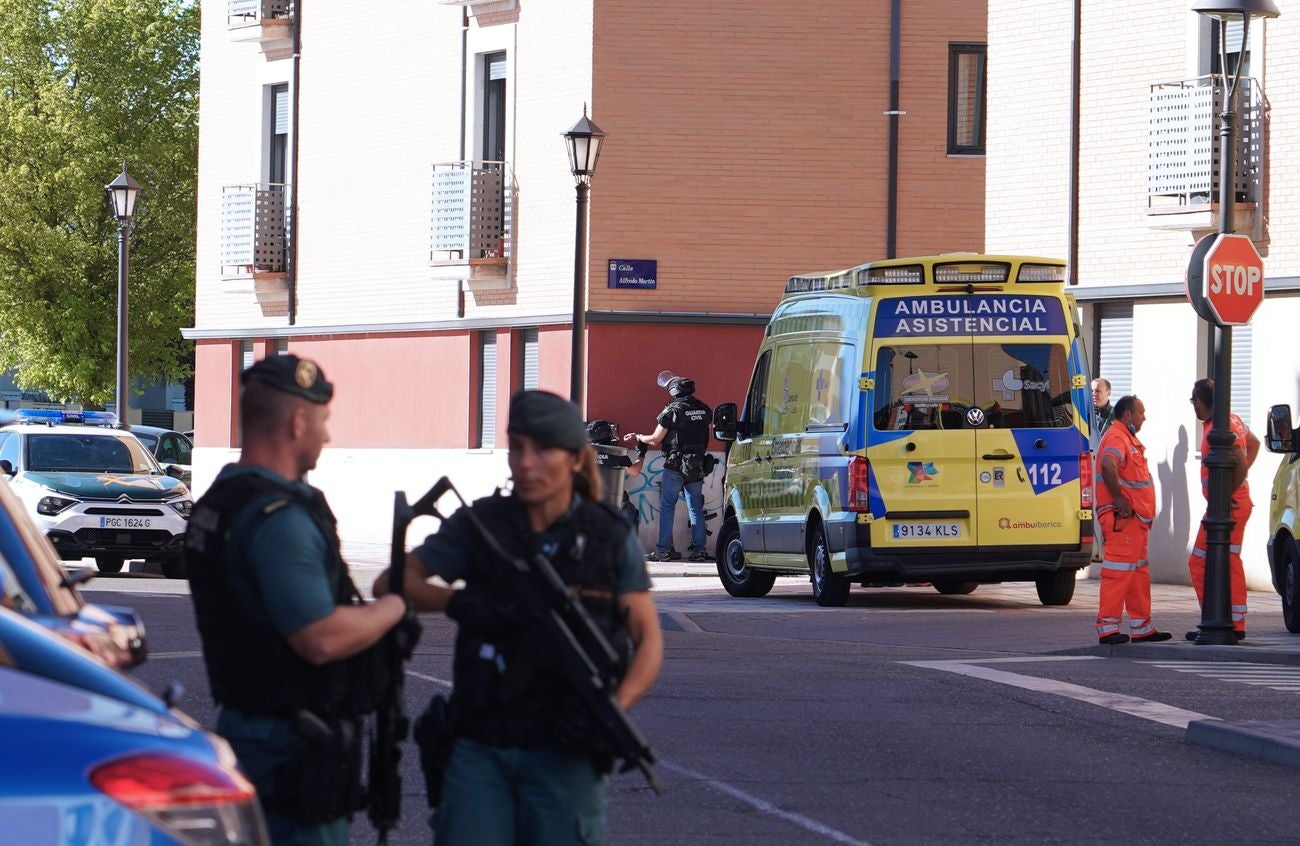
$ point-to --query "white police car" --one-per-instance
(94, 490)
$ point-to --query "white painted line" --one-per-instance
(1145, 708)
(433, 679)
(765, 807)
(683, 622)
(153, 656)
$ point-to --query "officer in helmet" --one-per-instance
(683, 435)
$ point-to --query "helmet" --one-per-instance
(678, 386)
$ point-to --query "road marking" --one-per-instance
(153, 656)
(1145, 708)
(766, 807)
(1282, 678)
(433, 679)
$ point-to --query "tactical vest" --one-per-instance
(690, 435)
(508, 692)
(251, 666)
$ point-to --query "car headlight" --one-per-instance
(182, 506)
(52, 505)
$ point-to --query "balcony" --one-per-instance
(267, 23)
(255, 242)
(1183, 156)
(472, 224)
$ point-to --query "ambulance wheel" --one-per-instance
(109, 563)
(952, 587)
(738, 579)
(830, 589)
(1290, 588)
(1056, 588)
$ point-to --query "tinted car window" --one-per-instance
(86, 454)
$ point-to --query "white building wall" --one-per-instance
(1127, 48)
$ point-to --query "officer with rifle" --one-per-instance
(557, 637)
(295, 659)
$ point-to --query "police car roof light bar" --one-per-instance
(58, 417)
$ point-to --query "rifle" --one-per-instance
(391, 723)
(554, 616)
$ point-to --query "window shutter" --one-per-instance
(487, 405)
(530, 359)
(245, 355)
(496, 66)
(1242, 344)
(1115, 347)
(280, 108)
(1234, 32)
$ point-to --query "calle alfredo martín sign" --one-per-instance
(633, 273)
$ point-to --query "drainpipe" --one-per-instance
(294, 234)
(464, 59)
(891, 200)
(1072, 220)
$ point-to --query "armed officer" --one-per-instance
(294, 657)
(683, 434)
(523, 769)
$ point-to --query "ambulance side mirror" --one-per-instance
(1279, 429)
(724, 422)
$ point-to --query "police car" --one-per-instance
(95, 490)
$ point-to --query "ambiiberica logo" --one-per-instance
(922, 472)
(1008, 523)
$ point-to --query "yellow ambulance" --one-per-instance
(913, 420)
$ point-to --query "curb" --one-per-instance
(1275, 742)
(1184, 651)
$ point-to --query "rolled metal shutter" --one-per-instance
(1115, 347)
(1242, 345)
(487, 392)
(531, 361)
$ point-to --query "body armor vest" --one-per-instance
(507, 693)
(687, 439)
(250, 665)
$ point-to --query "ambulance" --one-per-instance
(917, 420)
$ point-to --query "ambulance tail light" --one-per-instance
(859, 495)
(1085, 480)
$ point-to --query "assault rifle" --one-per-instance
(391, 723)
(563, 629)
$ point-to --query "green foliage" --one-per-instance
(86, 85)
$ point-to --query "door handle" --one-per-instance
(997, 456)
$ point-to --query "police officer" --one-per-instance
(683, 433)
(294, 657)
(516, 776)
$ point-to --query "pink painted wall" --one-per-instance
(215, 380)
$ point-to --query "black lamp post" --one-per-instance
(121, 194)
(584, 141)
(1216, 613)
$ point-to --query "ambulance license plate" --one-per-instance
(938, 531)
(124, 522)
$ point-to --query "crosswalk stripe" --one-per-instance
(1284, 679)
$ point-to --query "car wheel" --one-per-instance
(109, 563)
(174, 568)
(952, 587)
(1291, 588)
(830, 589)
(1056, 588)
(738, 579)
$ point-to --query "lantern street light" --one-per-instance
(121, 194)
(1220, 460)
(584, 141)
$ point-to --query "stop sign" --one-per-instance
(1225, 279)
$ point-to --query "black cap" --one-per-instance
(298, 376)
(549, 419)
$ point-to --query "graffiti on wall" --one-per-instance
(642, 492)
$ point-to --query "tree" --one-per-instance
(86, 85)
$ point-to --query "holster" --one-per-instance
(322, 782)
(435, 737)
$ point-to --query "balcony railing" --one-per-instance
(254, 229)
(249, 12)
(473, 212)
(1183, 145)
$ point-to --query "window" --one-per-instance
(1237, 52)
(277, 146)
(814, 383)
(756, 400)
(528, 340)
(1115, 347)
(967, 64)
(245, 355)
(494, 107)
(487, 390)
(281, 346)
(9, 449)
(1242, 347)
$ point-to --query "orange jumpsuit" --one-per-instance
(1125, 576)
(1240, 509)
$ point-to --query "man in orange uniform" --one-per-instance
(1126, 507)
(1246, 447)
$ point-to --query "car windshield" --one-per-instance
(149, 439)
(72, 453)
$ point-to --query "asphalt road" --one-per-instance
(905, 718)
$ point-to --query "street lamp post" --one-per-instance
(1220, 460)
(121, 194)
(584, 142)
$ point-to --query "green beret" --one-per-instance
(548, 419)
(298, 376)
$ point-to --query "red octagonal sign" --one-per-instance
(1225, 279)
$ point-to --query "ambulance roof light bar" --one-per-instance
(1041, 273)
(910, 274)
(832, 281)
(971, 271)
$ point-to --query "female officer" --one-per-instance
(519, 772)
